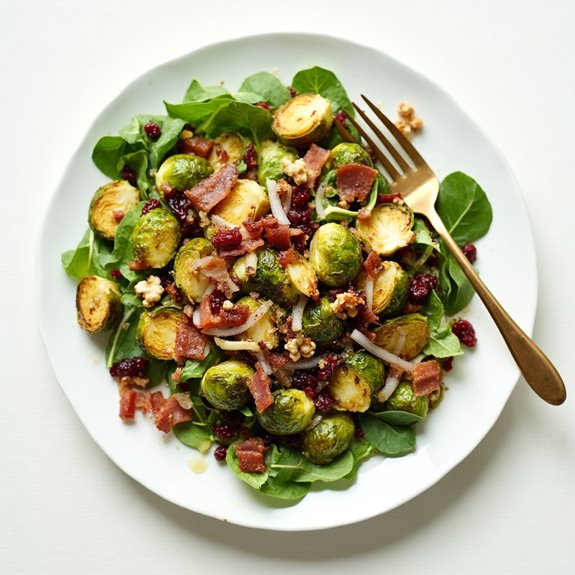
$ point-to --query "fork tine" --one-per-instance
(402, 140)
(389, 167)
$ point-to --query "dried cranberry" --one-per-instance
(300, 198)
(250, 157)
(310, 392)
(150, 205)
(299, 217)
(341, 118)
(225, 431)
(221, 452)
(153, 130)
(470, 252)
(292, 91)
(447, 364)
(128, 174)
(358, 432)
(420, 286)
(179, 205)
(324, 402)
(465, 332)
(263, 105)
(217, 299)
(330, 364)
(303, 379)
(129, 366)
(116, 274)
(227, 239)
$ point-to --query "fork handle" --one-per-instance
(537, 370)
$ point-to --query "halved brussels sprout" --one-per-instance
(335, 254)
(270, 160)
(246, 201)
(303, 120)
(98, 304)
(228, 147)
(225, 385)
(329, 438)
(347, 153)
(181, 172)
(320, 323)
(387, 229)
(272, 280)
(404, 336)
(192, 284)
(404, 399)
(302, 275)
(265, 329)
(155, 238)
(291, 412)
(109, 205)
(390, 289)
(157, 329)
(355, 382)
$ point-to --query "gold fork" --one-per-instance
(419, 187)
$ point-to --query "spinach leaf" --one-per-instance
(268, 87)
(123, 343)
(89, 257)
(107, 155)
(361, 450)
(195, 113)
(464, 208)
(198, 93)
(398, 417)
(390, 440)
(456, 291)
(442, 341)
(289, 490)
(193, 434)
(195, 369)
(324, 82)
(255, 480)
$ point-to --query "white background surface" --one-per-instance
(65, 508)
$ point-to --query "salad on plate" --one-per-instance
(266, 298)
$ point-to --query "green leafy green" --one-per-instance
(398, 417)
(324, 82)
(193, 434)
(89, 257)
(390, 440)
(268, 87)
(442, 342)
(195, 369)
(198, 93)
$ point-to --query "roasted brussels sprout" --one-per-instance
(303, 120)
(155, 238)
(355, 382)
(98, 304)
(390, 289)
(404, 399)
(329, 438)
(291, 412)
(387, 229)
(273, 281)
(109, 205)
(157, 331)
(228, 147)
(270, 160)
(225, 385)
(193, 284)
(335, 254)
(246, 201)
(320, 323)
(302, 275)
(266, 329)
(244, 268)
(181, 172)
(347, 153)
(404, 336)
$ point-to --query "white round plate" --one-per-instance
(479, 385)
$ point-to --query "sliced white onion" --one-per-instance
(305, 363)
(297, 313)
(387, 356)
(390, 385)
(197, 316)
(276, 203)
(264, 363)
(236, 345)
(368, 289)
(319, 195)
(252, 319)
(286, 202)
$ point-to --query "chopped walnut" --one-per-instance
(296, 170)
(300, 346)
(150, 290)
(126, 381)
(408, 123)
(228, 304)
(345, 304)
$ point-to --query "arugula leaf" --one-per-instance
(324, 82)
(390, 440)
(268, 87)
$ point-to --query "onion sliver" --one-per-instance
(297, 313)
(305, 363)
(223, 223)
(253, 318)
(319, 209)
(368, 289)
(390, 385)
(264, 363)
(276, 203)
(387, 356)
(236, 345)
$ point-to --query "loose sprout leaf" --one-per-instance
(324, 82)
(464, 208)
(269, 88)
(198, 93)
(138, 163)
(390, 440)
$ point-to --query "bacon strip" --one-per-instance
(245, 247)
(279, 237)
(196, 145)
(171, 413)
(427, 377)
(128, 404)
(372, 264)
(212, 190)
(190, 342)
(250, 455)
(354, 181)
(315, 158)
(259, 386)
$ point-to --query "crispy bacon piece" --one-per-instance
(372, 264)
(212, 190)
(170, 413)
(128, 404)
(221, 318)
(245, 247)
(250, 455)
(216, 269)
(287, 257)
(254, 228)
(190, 342)
(259, 386)
(315, 158)
(279, 237)
(196, 145)
(354, 181)
(427, 377)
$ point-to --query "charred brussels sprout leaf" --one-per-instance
(246, 201)
(405, 335)
(225, 385)
(98, 304)
(157, 331)
(192, 284)
(329, 438)
(390, 289)
(347, 153)
(270, 160)
(320, 323)
(181, 172)
(291, 412)
(404, 399)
